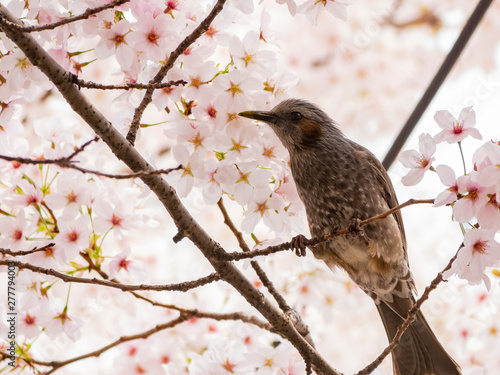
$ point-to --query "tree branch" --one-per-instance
(25, 252)
(258, 269)
(185, 314)
(180, 287)
(327, 237)
(128, 86)
(67, 163)
(144, 335)
(89, 12)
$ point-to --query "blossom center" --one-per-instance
(31, 199)
(479, 247)
(197, 140)
(71, 197)
(262, 208)
(228, 366)
(457, 128)
(29, 320)
(153, 37)
(196, 81)
(119, 40)
(72, 236)
(17, 234)
(269, 152)
(423, 162)
(234, 89)
(124, 263)
(212, 112)
(493, 200)
(115, 220)
(473, 195)
(249, 58)
(211, 31)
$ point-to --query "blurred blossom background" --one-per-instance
(365, 63)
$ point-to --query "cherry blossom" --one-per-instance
(191, 167)
(114, 41)
(23, 194)
(264, 206)
(22, 74)
(51, 257)
(487, 161)
(223, 357)
(151, 37)
(114, 215)
(312, 8)
(292, 6)
(15, 231)
(233, 88)
(419, 161)
(247, 54)
(278, 360)
(456, 130)
(447, 177)
(122, 262)
(62, 321)
(69, 193)
(73, 235)
(218, 175)
(473, 196)
(480, 250)
(32, 319)
(248, 179)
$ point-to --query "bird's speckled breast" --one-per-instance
(336, 187)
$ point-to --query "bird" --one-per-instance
(341, 183)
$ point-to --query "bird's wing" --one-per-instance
(388, 193)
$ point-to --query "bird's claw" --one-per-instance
(298, 244)
(355, 229)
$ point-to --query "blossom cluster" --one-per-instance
(472, 196)
(83, 222)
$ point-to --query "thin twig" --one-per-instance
(89, 12)
(258, 269)
(409, 320)
(327, 237)
(190, 39)
(82, 147)
(181, 287)
(67, 163)
(25, 252)
(185, 314)
(128, 86)
(143, 335)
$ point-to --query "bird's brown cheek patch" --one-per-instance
(311, 132)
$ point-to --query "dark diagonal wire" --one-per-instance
(437, 81)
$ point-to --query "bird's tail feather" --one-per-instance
(418, 352)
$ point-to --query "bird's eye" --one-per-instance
(296, 116)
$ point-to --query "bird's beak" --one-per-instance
(260, 115)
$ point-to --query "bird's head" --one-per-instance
(297, 123)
